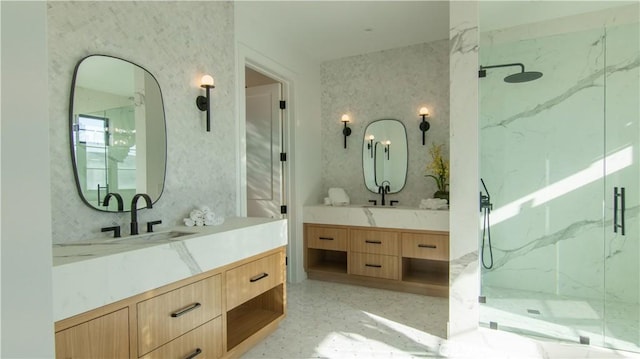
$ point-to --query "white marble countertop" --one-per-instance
(378, 216)
(90, 274)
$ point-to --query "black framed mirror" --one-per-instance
(385, 155)
(117, 132)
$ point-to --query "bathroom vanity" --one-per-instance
(210, 292)
(404, 249)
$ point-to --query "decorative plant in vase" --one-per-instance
(438, 169)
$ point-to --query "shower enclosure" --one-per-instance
(560, 158)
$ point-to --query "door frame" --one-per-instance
(247, 57)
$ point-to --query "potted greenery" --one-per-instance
(438, 169)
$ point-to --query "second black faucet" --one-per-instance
(134, 210)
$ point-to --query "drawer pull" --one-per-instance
(372, 242)
(185, 310)
(373, 265)
(432, 246)
(197, 352)
(325, 238)
(258, 277)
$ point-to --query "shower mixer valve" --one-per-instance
(485, 202)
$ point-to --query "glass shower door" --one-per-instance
(622, 230)
(543, 162)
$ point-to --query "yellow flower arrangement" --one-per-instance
(439, 168)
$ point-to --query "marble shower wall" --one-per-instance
(177, 42)
(543, 147)
(381, 85)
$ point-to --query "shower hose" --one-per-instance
(486, 235)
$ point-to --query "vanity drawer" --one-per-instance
(167, 316)
(254, 278)
(425, 246)
(374, 265)
(330, 238)
(205, 341)
(374, 242)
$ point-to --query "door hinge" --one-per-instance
(283, 156)
(283, 105)
(283, 209)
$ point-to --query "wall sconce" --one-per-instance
(387, 148)
(370, 145)
(424, 125)
(202, 102)
(346, 131)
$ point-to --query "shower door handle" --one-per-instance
(618, 194)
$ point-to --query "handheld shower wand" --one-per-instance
(485, 207)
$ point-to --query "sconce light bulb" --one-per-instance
(371, 138)
(345, 118)
(206, 80)
(387, 143)
(424, 111)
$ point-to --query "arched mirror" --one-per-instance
(384, 155)
(117, 132)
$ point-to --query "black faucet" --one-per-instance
(134, 210)
(384, 189)
(118, 198)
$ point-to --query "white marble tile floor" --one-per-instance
(330, 320)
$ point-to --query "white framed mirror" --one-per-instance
(117, 132)
(385, 155)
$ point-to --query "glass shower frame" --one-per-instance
(552, 153)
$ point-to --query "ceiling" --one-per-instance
(326, 30)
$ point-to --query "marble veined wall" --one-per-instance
(390, 84)
(552, 150)
(177, 42)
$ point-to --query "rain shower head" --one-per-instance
(522, 76)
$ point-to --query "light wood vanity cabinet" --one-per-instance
(396, 259)
(218, 314)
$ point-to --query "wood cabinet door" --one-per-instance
(104, 337)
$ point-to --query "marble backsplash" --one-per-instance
(390, 84)
(167, 39)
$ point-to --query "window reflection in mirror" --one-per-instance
(117, 132)
(384, 155)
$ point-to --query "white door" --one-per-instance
(264, 138)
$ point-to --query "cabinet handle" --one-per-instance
(325, 238)
(617, 195)
(258, 277)
(372, 242)
(185, 310)
(197, 352)
(373, 265)
(432, 246)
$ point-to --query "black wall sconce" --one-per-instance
(346, 131)
(370, 145)
(424, 124)
(387, 148)
(204, 103)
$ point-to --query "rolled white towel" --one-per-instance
(189, 222)
(338, 197)
(209, 216)
(199, 222)
(204, 209)
(196, 215)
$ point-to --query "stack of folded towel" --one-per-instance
(338, 197)
(203, 216)
(433, 203)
